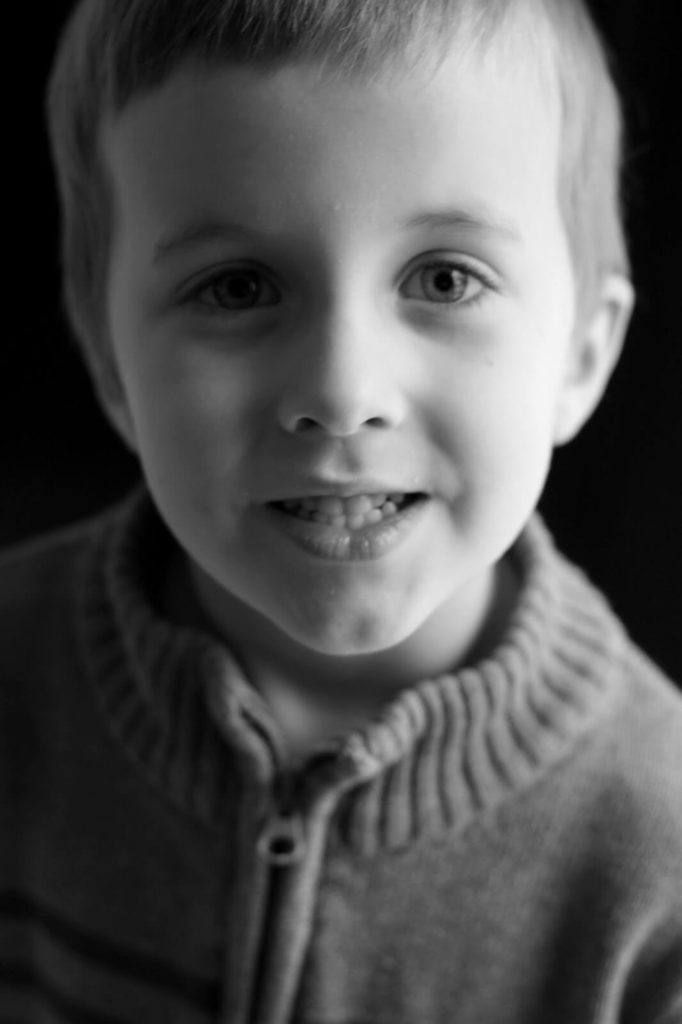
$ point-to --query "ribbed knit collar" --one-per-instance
(442, 752)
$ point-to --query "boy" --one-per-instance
(318, 726)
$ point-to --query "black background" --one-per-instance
(614, 498)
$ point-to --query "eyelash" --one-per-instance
(470, 271)
(261, 280)
(257, 276)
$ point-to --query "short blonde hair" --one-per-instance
(113, 50)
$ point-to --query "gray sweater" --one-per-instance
(502, 846)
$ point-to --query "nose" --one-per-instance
(342, 379)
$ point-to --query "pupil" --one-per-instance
(444, 284)
(240, 287)
(238, 290)
(443, 281)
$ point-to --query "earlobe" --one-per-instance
(593, 355)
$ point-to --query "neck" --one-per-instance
(315, 696)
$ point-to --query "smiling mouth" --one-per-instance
(351, 513)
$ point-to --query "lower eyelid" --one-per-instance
(193, 295)
(474, 274)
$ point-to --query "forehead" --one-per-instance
(281, 149)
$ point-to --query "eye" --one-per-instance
(445, 282)
(236, 290)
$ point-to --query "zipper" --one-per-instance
(290, 847)
(282, 842)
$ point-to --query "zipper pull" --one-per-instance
(282, 841)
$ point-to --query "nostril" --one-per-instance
(305, 424)
(308, 424)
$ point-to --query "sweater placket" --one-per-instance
(272, 906)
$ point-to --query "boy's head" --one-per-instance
(111, 52)
(345, 274)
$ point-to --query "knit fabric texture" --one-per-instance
(501, 845)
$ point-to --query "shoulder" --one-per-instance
(39, 557)
(638, 745)
(640, 804)
(636, 752)
(651, 717)
(44, 676)
(617, 810)
(35, 573)
(622, 789)
(632, 771)
(38, 588)
(645, 739)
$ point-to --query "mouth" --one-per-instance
(349, 528)
(351, 513)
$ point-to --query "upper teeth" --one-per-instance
(352, 513)
(334, 505)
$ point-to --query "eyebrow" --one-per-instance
(199, 233)
(480, 219)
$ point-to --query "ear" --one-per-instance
(593, 354)
(110, 391)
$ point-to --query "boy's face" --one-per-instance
(320, 286)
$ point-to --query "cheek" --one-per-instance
(497, 429)
(191, 414)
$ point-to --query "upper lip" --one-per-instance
(342, 489)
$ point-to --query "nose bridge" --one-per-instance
(342, 377)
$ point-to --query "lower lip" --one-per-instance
(334, 544)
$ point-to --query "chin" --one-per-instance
(342, 634)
